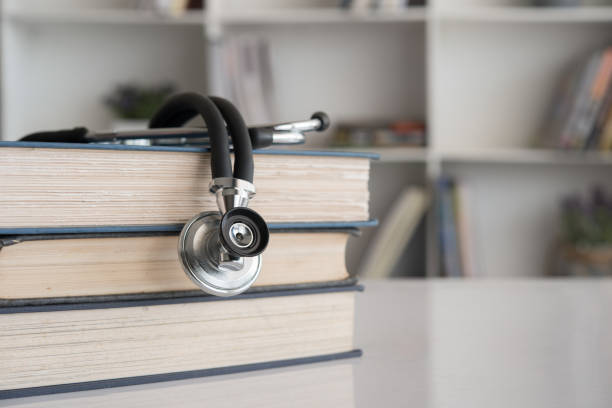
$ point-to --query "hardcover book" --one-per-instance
(69, 265)
(328, 384)
(74, 347)
(57, 185)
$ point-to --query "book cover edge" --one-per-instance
(48, 305)
(179, 149)
(177, 228)
(174, 376)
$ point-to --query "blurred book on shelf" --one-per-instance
(585, 248)
(396, 231)
(399, 133)
(361, 5)
(174, 8)
(454, 229)
(248, 80)
(581, 116)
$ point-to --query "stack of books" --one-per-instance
(92, 294)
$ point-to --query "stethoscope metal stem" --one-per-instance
(283, 133)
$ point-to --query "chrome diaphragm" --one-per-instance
(208, 264)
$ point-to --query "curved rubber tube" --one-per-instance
(182, 107)
(243, 149)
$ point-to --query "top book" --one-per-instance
(50, 186)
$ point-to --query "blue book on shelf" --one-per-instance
(449, 244)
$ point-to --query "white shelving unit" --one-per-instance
(321, 16)
(526, 14)
(482, 73)
(101, 16)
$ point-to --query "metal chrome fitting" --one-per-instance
(231, 192)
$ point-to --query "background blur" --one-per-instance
(491, 117)
(493, 123)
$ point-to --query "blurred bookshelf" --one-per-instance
(550, 157)
(481, 74)
(321, 16)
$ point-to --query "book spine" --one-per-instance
(449, 241)
(606, 133)
(463, 229)
(561, 109)
(568, 131)
(596, 99)
(595, 137)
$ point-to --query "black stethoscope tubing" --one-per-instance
(216, 113)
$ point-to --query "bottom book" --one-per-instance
(80, 346)
(328, 384)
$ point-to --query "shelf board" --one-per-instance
(321, 16)
(527, 14)
(492, 156)
(104, 16)
(526, 156)
(317, 16)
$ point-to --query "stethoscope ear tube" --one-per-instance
(243, 150)
(180, 108)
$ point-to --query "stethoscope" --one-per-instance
(220, 251)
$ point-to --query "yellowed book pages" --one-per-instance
(108, 266)
(62, 347)
(88, 187)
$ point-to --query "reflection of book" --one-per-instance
(65, 186)
(319, 385)
(249, 80)
(110, 264)
(395, 232)
(70, 347)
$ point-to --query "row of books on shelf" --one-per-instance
(407, 133)
(172, 8)
(583, 245)
(582, 114)
(400, 224)
(92, 293)
(359, 5)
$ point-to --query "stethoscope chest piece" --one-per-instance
(208, 264)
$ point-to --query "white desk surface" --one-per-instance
(441, 343)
